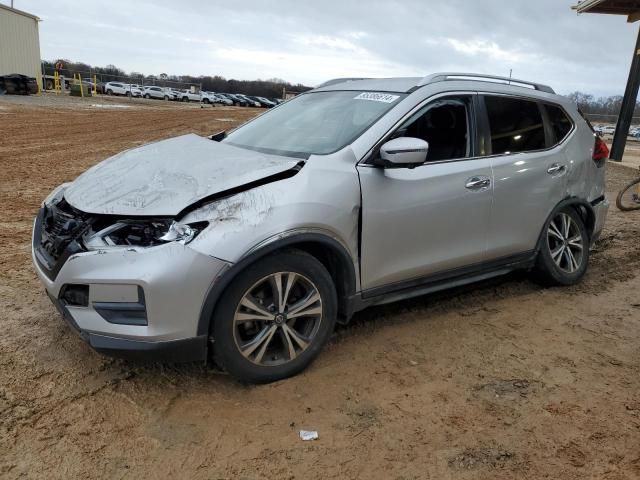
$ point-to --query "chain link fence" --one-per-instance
(102, 78)
(598, 118)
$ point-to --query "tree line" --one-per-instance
(601, 109)
(271, 88)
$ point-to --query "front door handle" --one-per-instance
(478, 183)
(556, 169)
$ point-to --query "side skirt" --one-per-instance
(442, 281)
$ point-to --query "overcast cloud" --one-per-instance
(309, 42)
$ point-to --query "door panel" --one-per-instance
(529, 178)
(421, 221)
(525, 191)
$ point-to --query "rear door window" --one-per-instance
(515, 125)
(561, 125)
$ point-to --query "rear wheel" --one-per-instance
(629, 197)
(109, 92)
(147, 96)
(564, 249)
(275, 318)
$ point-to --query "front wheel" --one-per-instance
(629, 197)
(275, 318)
(564, 249)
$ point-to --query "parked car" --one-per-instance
(251, 247)
(263, 102)
(211, 97)
(634, 132)
(177, 93)
(238, 101)
(134, 91)
(99, 85)
(189, 96)
(250, 101)
(608, 130)
(158, 93)
(17, 84)
(116, 88)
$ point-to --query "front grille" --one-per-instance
(57, 235)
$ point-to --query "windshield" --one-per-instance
(314, 124)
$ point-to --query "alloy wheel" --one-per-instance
(566, 243)
(277, 319)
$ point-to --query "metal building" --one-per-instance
(19, 43)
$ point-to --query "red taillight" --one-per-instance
(600, 150)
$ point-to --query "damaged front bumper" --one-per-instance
(131, 302)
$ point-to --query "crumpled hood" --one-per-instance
(165, 177)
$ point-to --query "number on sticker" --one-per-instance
(377, 97)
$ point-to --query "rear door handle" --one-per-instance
(555, 169)
(478, 183)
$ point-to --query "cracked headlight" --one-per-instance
(179, 232)
(143, 233)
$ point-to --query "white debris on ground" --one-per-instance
(109, 105)
(306, 435)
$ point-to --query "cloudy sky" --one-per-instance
(309, 42)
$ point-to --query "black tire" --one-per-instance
(561, 270)
(207, 101)
(185, 99)
(225, 328)
(628, 204)
(147, 96)
(128, 94)
(109, 92)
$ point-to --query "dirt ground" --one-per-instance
(503, 380)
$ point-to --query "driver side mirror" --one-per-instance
(404, 152)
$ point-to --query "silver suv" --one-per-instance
(248, 247)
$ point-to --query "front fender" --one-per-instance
(290, 239)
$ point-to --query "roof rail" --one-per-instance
(340, 80)
(442, 77)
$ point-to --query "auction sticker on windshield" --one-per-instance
(377, 97)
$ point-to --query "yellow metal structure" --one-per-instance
(78, 81)
(56, 82)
